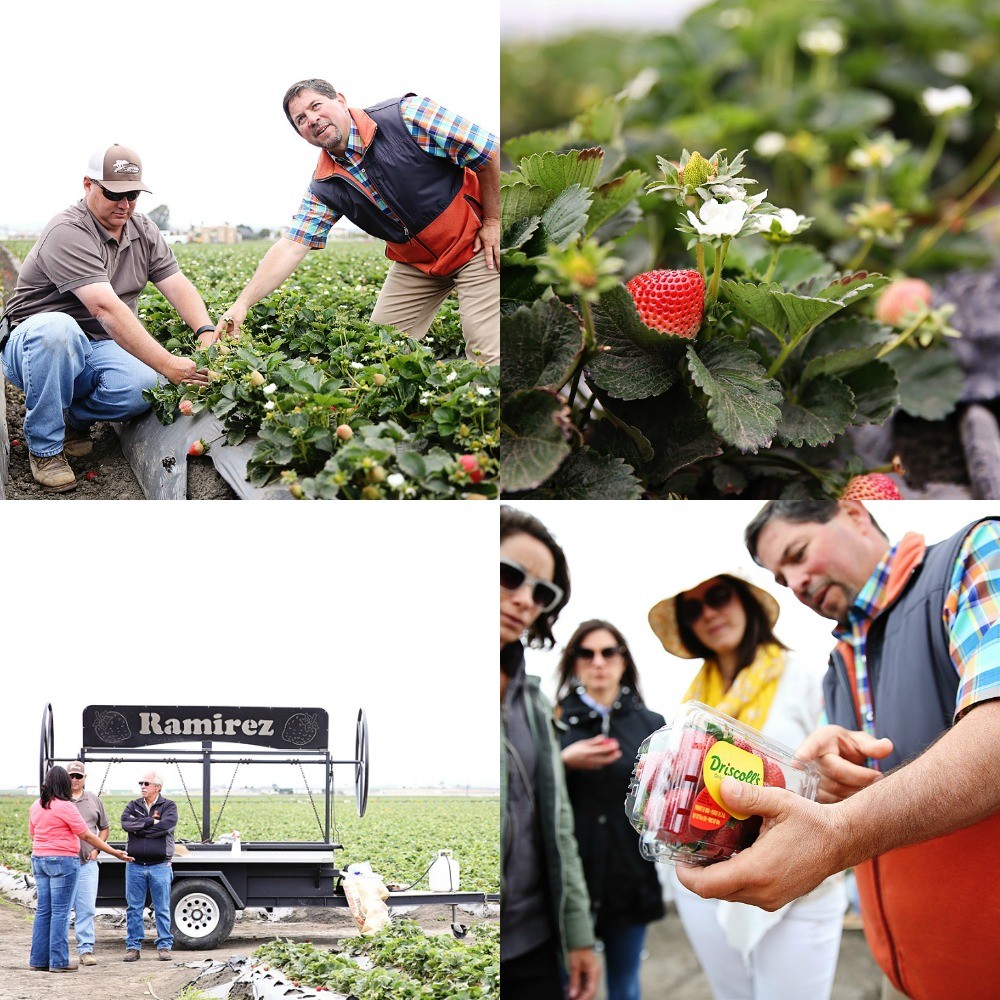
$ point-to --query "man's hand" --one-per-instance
(231, 321)
(93, 855)
(840, 755)
(589, 755)
(208, 338)
(179, 370)
(488, 239)
(799, 846)
(584, 974)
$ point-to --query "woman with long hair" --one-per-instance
(606, 719)
(56, 829)
(748, 953)
(546, 937)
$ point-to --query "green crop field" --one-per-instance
(399, 836)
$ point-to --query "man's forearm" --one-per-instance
(949, 786)
(489, 187)
(275, 266)
(183, 296)
(132, 336)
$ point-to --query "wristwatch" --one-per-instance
(204, 329)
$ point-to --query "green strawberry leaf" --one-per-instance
(586, 475)
(541, 346)
(930, 381)
(742, 401)
(562, 221)
(533, 444)
(853, 288)
(519, 233)
(522, 201)
(531, 143)
(842, 345)
(758, 303)
(632, 361)
(876, 391)
(559, 171)
(519, 285)
(674, 425)
(609, 199)
(797, 264)
(823, 410)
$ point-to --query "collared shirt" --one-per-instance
(436, 130)
(75, 250)
(971, 616)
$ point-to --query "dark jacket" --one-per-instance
(567, 889)
(150, 833)
(623, 887)
(439, 202)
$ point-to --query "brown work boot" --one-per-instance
(87, 958)
(52, 473)
(131, 956)
(164, 954)
(64, 968)
(78, 442)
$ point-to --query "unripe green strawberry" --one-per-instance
(905, 297)
(185, 406)
(371, 493)
(872, 486)
(378, 378)
(256, 379)
(344, 432)
(296, 490)
(670, 301)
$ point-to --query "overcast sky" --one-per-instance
(624, 560)
(546, 18)
(386, 607)
(195, 87)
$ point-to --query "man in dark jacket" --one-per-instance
(413, 174)
(149, 822)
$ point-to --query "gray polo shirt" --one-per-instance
(94, 815)
(75, 250)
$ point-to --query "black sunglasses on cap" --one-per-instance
(689, 609)
(112, 196)
(545, 595)
(606, 653)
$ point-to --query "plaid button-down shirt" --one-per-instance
(971, 615)
(436, 130)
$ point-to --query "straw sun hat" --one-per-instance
(663, 615)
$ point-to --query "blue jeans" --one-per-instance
(84, 902)
(156, 880)
(55, 880)
(622, 953)
(66, 376)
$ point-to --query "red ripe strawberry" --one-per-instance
(670, 301)
(872, 486)
(774, 777)
(672, 818)
(198, 447)
(722, 843)
(904, 297)
(750, 830)
(691, 754)
(90, 476)
(471, 465)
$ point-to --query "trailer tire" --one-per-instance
(202, 913)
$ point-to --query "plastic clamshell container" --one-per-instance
(673, 800)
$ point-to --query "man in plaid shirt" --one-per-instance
(411, 173)
(909, 792)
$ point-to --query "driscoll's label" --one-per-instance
(725, 759)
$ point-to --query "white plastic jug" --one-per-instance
(443, 873)
(237, 844)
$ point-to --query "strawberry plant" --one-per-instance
(739, 376)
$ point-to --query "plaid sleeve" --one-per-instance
(441, 133)
(972, 615)
(312, 223)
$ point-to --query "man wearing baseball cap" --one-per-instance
(84, 901)
(71, 337)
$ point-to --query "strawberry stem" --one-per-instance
(720, 259)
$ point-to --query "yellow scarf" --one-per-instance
(749, 699)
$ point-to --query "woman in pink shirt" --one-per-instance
(56, 828)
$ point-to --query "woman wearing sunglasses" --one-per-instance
(606, 720)
(56, 829)
(748, 953)
(546, 934)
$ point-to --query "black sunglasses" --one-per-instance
(79, 777)
(145, 783)
(606, 653)
(111, 196)
(546, 595)
(717, 596)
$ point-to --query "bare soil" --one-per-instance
(110, 979)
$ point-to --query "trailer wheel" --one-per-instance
(203, 913)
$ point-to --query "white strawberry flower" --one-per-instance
(718, 219)
(770, 144)
(451, 376)
(946, 100)
(484, 390)
(395, 480)
(269, 405)
(357, 364)
(269, 389)
(825, 38)
(788, 221)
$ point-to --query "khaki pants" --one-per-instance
(410, 299)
